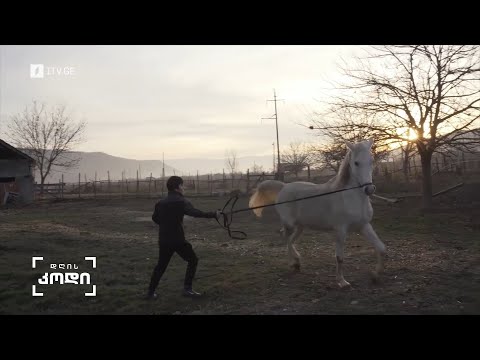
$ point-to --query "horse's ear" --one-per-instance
(370, 142)
(350, 145)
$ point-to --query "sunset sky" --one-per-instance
(185, 101)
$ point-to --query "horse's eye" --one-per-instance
(356, 163)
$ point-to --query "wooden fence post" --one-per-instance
(149, 183)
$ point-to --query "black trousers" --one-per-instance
(165, 253)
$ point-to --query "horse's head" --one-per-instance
(361, 164)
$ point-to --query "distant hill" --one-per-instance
(207, 166)
(91, 162)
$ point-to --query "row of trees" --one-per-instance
(423, 99)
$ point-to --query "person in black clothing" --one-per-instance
(168, 215)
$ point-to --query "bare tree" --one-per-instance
(426, 95)
(257, 169)
(231, 162)
(345, 128)
(328, 156)
(408, 151)
(296, 157)
(47, 136)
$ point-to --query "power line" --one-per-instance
(275, 116)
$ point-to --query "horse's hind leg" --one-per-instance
(286, 230)
(379, 246)
(292, 235)
(339, 246)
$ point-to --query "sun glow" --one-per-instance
(408, 134)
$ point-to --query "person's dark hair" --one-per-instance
(174, 182)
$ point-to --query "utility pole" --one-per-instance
(274, 116)
(163, 166)
(273, 144)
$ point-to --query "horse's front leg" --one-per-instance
(294, 256)
(339, 246)
(379, 246)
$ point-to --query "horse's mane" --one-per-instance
(343, 175)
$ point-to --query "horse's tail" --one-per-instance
(265, 194)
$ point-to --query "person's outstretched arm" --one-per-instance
(191, 211)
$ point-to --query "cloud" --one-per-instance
(139, 100)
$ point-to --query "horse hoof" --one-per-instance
(295, 267)
(343, 284)
(375, 276)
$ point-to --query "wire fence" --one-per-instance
(395, 173)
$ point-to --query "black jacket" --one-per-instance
(169, 214)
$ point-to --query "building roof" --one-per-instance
(7, 151)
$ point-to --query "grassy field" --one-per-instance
(432, 264)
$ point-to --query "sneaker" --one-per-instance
(191, 293)
(151, 296)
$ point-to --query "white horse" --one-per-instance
(342, 211)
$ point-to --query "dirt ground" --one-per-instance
(432, 263)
